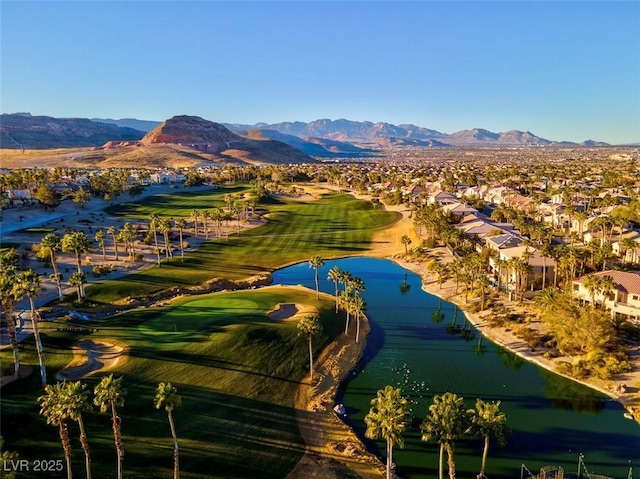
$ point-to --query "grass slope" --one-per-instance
(332, 226)
(236, 370)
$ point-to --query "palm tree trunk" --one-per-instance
(450, 462)
(13, 338)
(155, 240)
(117, 437)
(317, 285)
(357, 328)
(388, 459)
(66, 446)
(336, 283)
(346, 328)
(56, 274)
(85, 447)
(36, 335)
(485, 451)
(440, 462)
(176, 467)
(310, 358)
(181, 247)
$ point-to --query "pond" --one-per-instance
(552, 419)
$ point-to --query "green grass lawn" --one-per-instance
(236, 370)
(335, 225)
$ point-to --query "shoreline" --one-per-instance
(508, 339)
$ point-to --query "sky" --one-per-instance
(563, 70)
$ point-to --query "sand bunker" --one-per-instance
(291, 311)
(91, 357)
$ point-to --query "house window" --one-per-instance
(634, 297)
(576, 287)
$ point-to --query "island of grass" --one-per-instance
(236, 369)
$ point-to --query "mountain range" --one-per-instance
(343, 135)
(320, 138)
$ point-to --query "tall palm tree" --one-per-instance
(77, 243)
(100, 237)
(109, 394)
(154, 220)
(388, 417)
(591, 282)
(112, 230)
(166, 228)
(316, 262)
(9, 261)
(77, 279)
(28, 283)
(406, 241)
(358, 306)
(76, 401)
(487, 421)
(334, 275)
(310, 326)
(181, 224)
(52, 243)
(53, 409)
(195, 214)
(446, 421)
(167, 397)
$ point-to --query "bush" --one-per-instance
(98, 270)
(429, 242)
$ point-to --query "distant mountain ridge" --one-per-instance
(386, 134)
(23, 130)
(320, 138)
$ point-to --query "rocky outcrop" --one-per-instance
(210, 137)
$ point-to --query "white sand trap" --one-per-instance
(91, 357)
(291, 311)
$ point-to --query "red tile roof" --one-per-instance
(628, 281)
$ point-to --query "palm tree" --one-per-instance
(167, 397)
(445, 422)
(406, 241)
(483, 283)
(8, 273)
(100, 237)
(334, 275)
(109, 394)
(195, 214)
(310, 326)
(358, 306)
(181, 224)
(153, 227)
(29, 283)
(113, 232)
(591, 282)
(52, 243)
(77, 243)
(316, 262)
(77, 279)
(606, 287)
(487, 421)
(388, 418)
(53, 409)
(166, 228)
(76, 401)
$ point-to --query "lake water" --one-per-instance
(552, 419)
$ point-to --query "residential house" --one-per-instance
(624, 302)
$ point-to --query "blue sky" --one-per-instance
(563, 70)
